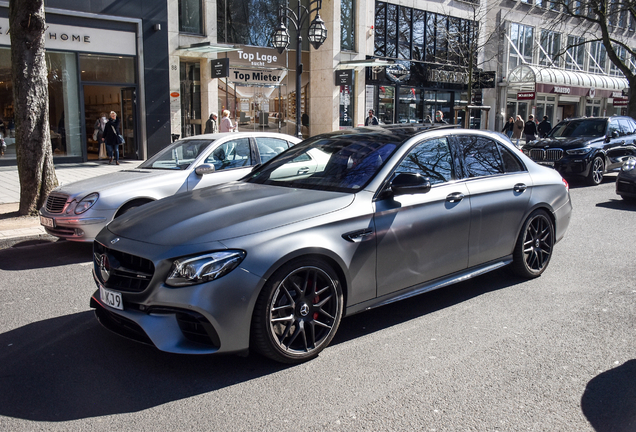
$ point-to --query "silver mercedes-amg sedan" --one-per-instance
(338, 224)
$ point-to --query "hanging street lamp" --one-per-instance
(316, 33)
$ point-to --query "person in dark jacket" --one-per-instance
(110, 137)
(544, 127)
(509, 127)
(372, 120)
(530, 129)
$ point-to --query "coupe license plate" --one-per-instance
(111, 298)
(549, 164)
(48, 222)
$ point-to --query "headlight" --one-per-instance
(578, 151)
(86, 203)
(203, 268)
(629, 164)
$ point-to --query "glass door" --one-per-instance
(386, 104)
(410, 106)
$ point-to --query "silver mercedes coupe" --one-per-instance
(78, 211)
(338, 224)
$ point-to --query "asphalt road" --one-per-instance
(496, 353)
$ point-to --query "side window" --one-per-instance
(431, 159)
(481, 156)
(510, 162)
(613, 127)
(270, 147)
(627, 126)
(231, 154)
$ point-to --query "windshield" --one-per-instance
(578, 128)
(342, 163)
(178, 156)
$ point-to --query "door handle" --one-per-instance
(520, 187)
(303, 170)
(455, 197)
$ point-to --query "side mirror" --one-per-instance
(409, 183)
(204, 169)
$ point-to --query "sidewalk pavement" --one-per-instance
(14, 228)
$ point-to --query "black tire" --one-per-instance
(597, 168)
(533, 249)
(298, 312)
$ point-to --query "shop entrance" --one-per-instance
(99, 101)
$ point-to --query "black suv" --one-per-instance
(586, 147)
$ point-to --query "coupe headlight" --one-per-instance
(203, 268)
(579, 151)
(629, 164)
(86, 203)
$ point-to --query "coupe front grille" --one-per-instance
(56, 203)
(125, 272)
(550, 155)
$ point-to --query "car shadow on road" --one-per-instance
(609, 400)
(69, 368)
(618, 204)
(37, 254)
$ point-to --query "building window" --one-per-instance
(622, 55)
(521, 38)
(380, 29)
(191, 16)
(419, 30)
(251, 22)
(347, 25)
(391, 30)
(404, 33)
(549, 48)
(575, 54)
(597, 57)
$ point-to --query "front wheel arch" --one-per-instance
(131, 205)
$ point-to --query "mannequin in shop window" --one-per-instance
(98, 133)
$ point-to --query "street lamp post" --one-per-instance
(317, 34)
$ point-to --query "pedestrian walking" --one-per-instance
(111, 138)
(518, 129)
(372, 120)
(544, 127)
(226, 123)
(439, 118)
(508, 128)
(530, 129)
(211, 125)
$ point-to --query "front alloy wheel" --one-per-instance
(595, 177)
(298, 312)
(534, 245)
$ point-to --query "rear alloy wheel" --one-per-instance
(298, 312)
(534, 246)
(597, 168)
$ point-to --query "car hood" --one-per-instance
(223, 212)
(564, 143)
(110, 181)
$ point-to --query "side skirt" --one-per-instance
(428, 286)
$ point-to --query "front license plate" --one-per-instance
(48, 222)
(549, 164)
(111, 298)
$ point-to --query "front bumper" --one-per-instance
(626, 185)
(74, 228)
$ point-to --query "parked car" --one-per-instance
(78, 211)
(273, 262)
(626, 180)
(586, 147)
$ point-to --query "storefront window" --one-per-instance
(191, 16)
(64, 112)
(347, 25)
(105, 68)
(346, 106)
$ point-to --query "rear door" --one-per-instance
(499, 188)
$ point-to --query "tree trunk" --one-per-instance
(631, 103)
(31, 104)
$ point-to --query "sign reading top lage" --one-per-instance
(83, 39)
(257, 76)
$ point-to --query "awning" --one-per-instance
(363, 63)
(208, 47)
(526, 74)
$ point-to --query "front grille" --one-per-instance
(551, 155)
(56, 203)
(126, 272)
